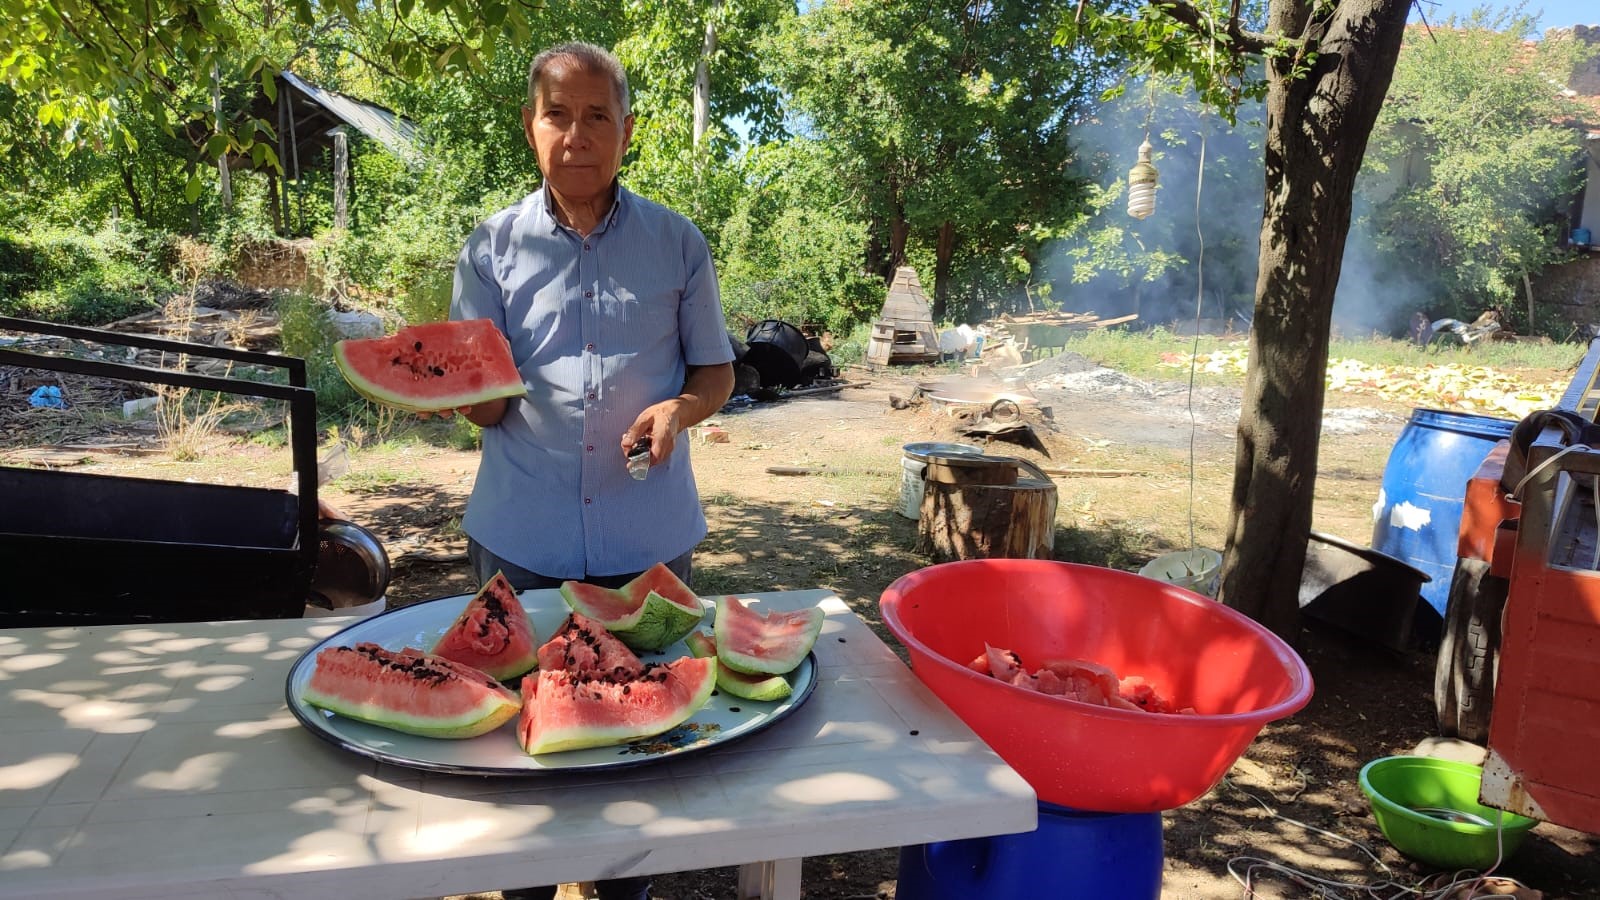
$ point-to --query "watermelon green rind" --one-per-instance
(492, 634)
(460, 364)
(563, 711)
(649, 614)
(661, 623)
(766, 688)
(408, 691)
(770, 644)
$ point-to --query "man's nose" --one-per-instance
(576, 135)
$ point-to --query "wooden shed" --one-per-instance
(903, 331)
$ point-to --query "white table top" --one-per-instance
(161, 762)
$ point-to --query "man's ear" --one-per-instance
(627, 131)
(527, 127)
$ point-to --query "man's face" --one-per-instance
(577, 130)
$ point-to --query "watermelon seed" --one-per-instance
(841, 640)
(626, 689)
(733, 709)
(914, 732)
(417, 346)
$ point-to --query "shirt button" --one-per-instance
(586, 501)
(588, 347)
(591, 448)
(588, 294)
(591, 395)
(586, 246)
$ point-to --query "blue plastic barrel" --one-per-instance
(1108, 856)
(1582, 237)
(1418, 514)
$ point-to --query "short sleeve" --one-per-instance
(702, 329)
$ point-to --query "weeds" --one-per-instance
(188, 420)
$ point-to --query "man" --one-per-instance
(610, 304)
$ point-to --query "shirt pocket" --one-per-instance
(652, 311)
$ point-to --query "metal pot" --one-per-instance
(352, 567)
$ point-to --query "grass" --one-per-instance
(1141, 353)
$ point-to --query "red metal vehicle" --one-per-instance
(1523, 624)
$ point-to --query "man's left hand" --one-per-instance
(660, 424)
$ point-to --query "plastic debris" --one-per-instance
(48, 397)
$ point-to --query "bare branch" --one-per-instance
(1235, 37)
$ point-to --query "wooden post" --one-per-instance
(977, 507)
(341, 178)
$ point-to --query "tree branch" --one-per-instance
(1235, 37)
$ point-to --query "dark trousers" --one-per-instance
(484, 564)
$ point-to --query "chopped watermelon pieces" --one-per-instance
(1075, 679)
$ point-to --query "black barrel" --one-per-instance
(777, 351)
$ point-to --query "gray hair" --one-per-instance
(585, 56)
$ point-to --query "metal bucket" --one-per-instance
(912, 466)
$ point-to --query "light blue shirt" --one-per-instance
(600, 327)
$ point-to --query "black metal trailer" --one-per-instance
(82, 548)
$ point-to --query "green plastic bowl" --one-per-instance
(1447, 836)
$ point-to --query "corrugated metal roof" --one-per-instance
(396, 133)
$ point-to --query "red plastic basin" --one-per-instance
(1236, 674)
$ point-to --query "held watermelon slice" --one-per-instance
(492, 634)
(409, 691)
(564, 710)
(431, 367)
(583, 647)
(750, 687)
(771, 644)
(649, 614)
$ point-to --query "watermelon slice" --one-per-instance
(771, 644)
(409, 691)
(750, 687)
(649, 613)
(431, 367)
(582, 646)
(564, 710)
(492, 634)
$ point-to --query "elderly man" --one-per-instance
(610, 304)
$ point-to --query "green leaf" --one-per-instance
(191, 191)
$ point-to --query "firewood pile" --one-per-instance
(1037, 332)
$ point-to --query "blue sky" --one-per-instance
(1548, 13)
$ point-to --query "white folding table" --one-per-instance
(160, 761)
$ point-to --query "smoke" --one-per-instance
(1192, 258)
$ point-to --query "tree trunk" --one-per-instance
(274, 205)
(133, 193)
(1317, 131)
(899, 230)
(943, 252)
(224, 178)
(702, 78)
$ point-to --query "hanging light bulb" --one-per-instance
(1142, 184)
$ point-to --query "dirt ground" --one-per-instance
(1149, 470)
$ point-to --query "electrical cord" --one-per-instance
(1324, 888)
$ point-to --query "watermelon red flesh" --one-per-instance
(582, 646)
(565, 711)
(408, 691)
(492, 633)
(434, 366)
(649, 614)
(770, 644)
(749, 687)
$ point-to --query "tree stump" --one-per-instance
(977, 507)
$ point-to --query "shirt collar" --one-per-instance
(616, 214)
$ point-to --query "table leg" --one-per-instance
(777, 879)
